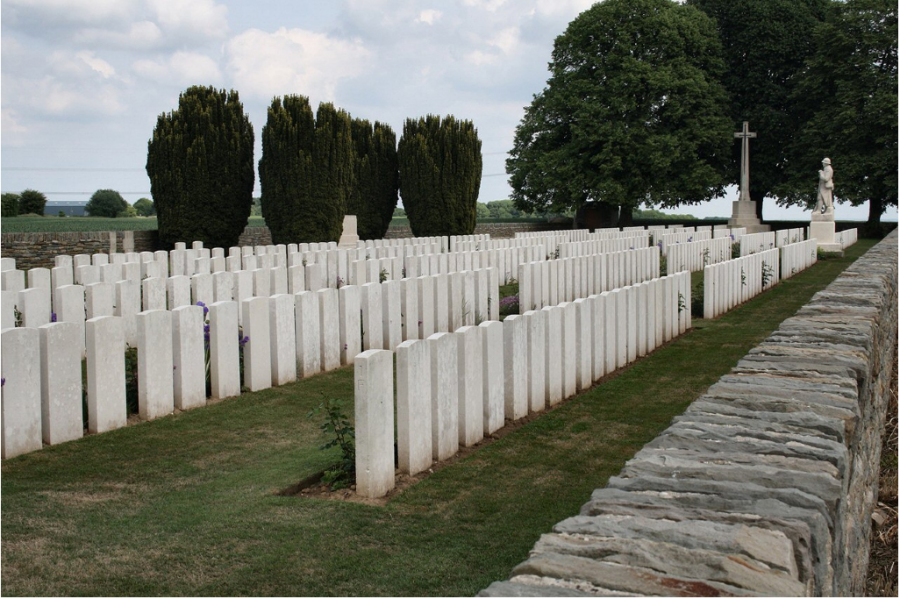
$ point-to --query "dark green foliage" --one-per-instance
(10, 202)
(342, 434)
(765, 44)
(200, 164)
(849, 99)
(440, 175)
(107, 203)
(633, 113)
(373, 195)
(32, 202)
(306, 170)
(145, 207)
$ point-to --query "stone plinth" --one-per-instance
(821, 228)
(743, 214)
(349, 239)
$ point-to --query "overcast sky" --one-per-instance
(83, 81)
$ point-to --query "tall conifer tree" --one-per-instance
(373, 195)
(306, 170)
(200, 164)
(440, 175)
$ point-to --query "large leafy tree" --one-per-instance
(765, 44)
(849, 97)
(306, 170)
(633, 113)
(200, 164)
(373, 195)
(440, 175)
(106, 202)
(32, 201)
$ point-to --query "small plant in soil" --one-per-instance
(343, 435)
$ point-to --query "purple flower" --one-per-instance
(509, 301)
(2, 382)
(205, 309)
(53, 317)
(243, 340)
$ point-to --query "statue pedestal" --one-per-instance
(821, 228)
(349, 239)
(743, 214)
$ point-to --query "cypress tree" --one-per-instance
(440, 175)
(373, 195)
(200, 164)
(306, 170)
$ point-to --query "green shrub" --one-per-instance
(32, 202)
(373, 195)
(145, 207)
(106, 202)
(440, 175)
(10, 205)
(200, 164)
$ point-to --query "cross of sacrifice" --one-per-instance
(745, 136)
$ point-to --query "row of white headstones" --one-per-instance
(187, 387)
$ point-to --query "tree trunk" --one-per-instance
(873, 225)
(626, 216)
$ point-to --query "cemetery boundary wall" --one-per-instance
(766, 484)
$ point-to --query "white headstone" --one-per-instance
(105, 340)
(189, 373)
(224, 359)
(442, 350)
(155, 383)
(414, 445)
(374, 422)
(283, 338)
(21, 406)
(307, 320)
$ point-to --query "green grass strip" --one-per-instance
(186, 505)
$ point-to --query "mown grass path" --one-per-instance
(186, 505)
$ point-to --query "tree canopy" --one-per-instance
(765, 45)
(108, 203)
(32, 201)
(145, 207)
(306, 170)
(373, 194)
(848, 98)
(200, 164)
(633, 113)
(440, 175)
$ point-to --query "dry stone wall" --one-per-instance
(765, 485)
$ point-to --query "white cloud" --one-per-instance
(188, 19)
(97, 64)
(292, 61)
(141, 35)
(429, 16)
(182, 68)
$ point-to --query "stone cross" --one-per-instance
(745, 136)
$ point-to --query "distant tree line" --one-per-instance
(106, 203)
(315, 169)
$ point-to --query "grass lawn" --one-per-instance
(187, 505)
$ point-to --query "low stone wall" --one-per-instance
(766, 484)
(37, 250)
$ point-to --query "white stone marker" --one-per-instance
(350, 322)
(61, 275)
(128, 304)
(34, 304)
(631, 326)
(223, 286)
(425, 291)
(155, 383)
(414, 446)
(455, 301)
(283, 339)
(640, 295)
(470, 370)
(105, 340)
(373, 376)
(330, 329)
(261, 282)
(60, 359)
(442, 350)
(409, 308)
(493, 371)
(372, 316)
(296, 278)
(392, 319)
(308, 322)
(178, 291)
(9, 264)
(619, 298)
(526, 288)
(441, 299)
(224, 359)
(9, 308)
(21, 406)
(553, 344)
(278, 283)
(515, 357)
(99, 300)
(569, 353)
(257, 350)
(482, 295)
(598, 335)
(584, 325)
(153, 293)
(189, 374)
(470, 308)
(536, 326)
(314, 277)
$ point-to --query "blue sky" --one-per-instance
(84, 80)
